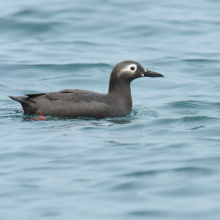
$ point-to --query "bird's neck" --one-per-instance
(122, 92)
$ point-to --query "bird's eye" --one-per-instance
(132, 68)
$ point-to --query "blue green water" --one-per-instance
(160, 162)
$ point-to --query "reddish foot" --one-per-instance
(41, 117)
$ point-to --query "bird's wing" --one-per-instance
(73, 95)
(35, 95)
(77, 103)
(72, 103)
(76, 96)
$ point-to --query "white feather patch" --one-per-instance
(128, 68)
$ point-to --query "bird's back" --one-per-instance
(71, 102)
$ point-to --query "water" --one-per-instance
(159, 162)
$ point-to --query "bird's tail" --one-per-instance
(20, 99)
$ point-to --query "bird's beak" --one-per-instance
(152, 74)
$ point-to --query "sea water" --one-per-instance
(160, 162)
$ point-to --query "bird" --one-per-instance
(82, 103)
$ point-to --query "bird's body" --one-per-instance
(74, 103)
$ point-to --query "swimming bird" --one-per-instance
(75, 103)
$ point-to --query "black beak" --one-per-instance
(152, 74)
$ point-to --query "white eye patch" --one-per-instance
(145, 71)
(130, 68)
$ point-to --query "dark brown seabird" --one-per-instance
(75, 103)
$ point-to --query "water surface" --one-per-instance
(159, 162)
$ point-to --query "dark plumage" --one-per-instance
(73, 102)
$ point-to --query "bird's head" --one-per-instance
(126, 71)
